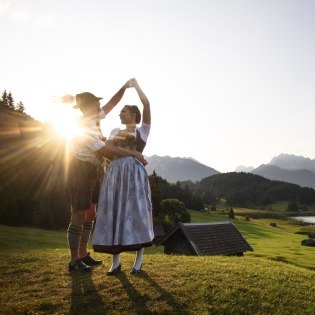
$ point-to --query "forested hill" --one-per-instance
(32, 172)
(246, 190)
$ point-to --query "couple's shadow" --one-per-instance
(84, 295)
(85, 299)
(139, 301)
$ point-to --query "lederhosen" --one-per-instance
(83, 182)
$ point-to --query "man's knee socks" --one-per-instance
(74, 236)
(87, 228)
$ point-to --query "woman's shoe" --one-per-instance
(134, 271)
(114, 271)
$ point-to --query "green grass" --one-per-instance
(283, 205)
(34, 280)
(280, 243)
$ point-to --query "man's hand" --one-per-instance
(140, 157)
(129, 84)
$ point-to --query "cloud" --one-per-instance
(44, 20)
(15, 11)
(4, 7)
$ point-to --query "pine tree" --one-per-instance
(11, 102)
(4, 100)
(231, 214)
(155, 192)
(20, 107)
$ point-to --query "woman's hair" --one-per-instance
(134, 109)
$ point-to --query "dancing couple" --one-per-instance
(121, 193)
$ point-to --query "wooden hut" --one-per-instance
(203, 239)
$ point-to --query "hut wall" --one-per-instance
(178, 244)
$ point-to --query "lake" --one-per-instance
(307, 219)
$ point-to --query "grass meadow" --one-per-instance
(277, 278)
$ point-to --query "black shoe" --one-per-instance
(134, 271)
(114, 271)
(78, 266)
(90, 261)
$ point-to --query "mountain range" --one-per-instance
(175, 169)
(301, 177)
(287, 168)
(284, 167)
(293, 162)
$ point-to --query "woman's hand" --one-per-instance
(139, 156)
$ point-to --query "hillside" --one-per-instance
(245, 189)
(301, 177)
(32, 173)
(40, 284)
(178, 169)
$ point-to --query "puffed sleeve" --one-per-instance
(113, 133)
(144, 131)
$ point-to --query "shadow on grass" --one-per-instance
(84, 296)
(140, 301)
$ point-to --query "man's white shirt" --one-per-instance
(87, 142)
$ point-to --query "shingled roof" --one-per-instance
(211, 238)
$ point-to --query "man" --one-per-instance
(83, 181)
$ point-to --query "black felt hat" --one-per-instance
(85, 98)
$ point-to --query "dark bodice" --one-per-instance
(130, 141)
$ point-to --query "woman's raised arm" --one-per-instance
(146, 114)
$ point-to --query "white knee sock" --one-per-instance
(116, 262)
(138, 262)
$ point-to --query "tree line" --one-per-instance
(249, 190)
(7, 103)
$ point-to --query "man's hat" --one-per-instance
(85, 98)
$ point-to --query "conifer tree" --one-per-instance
(155, 192)
(20, 107)
(10, 102)
(4, 100)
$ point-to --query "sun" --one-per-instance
(63, 120)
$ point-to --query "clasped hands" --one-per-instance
(131, 83)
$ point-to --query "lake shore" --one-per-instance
(305, 219)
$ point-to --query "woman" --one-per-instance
(124, 213)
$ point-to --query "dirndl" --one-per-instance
(124, 213)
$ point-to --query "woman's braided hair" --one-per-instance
(134, 109)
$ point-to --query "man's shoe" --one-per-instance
(90, 261)
(78, 266)
(115, 271)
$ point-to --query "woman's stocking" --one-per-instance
(138, 261)
(116, 262)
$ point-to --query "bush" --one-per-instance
(173, 211)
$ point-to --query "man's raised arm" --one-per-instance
(116, 98)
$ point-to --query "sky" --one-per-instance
(230, 82)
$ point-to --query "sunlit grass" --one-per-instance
(34, 268)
